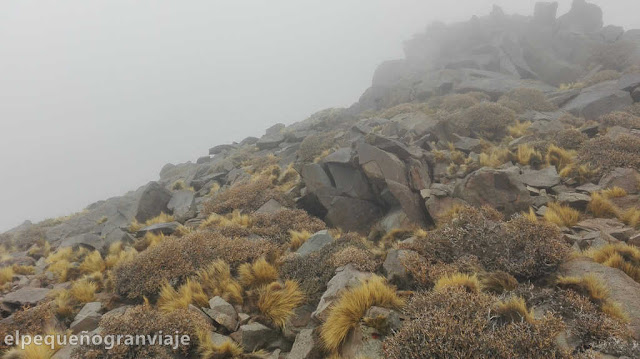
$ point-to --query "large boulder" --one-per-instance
(622, 289)
(306, 346)
(26, 296)
(88, 318)
(153, 201)
(254, 336)
(582, 18)
(544, 178)
(181, 203)
(501, 189)
(599, 100)
(625, 178)
(316, 242)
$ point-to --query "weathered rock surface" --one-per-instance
(501, 189)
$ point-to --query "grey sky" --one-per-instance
(96, 96)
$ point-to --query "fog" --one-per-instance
(96, 96)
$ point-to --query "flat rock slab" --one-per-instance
(26, 296)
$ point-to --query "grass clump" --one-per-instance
(352, 306)
(298, 239)
(593, 289)
(216, 280)
(207, 349)
(83, 291)
(469, 282)
(528, 155)
(277, 301)
(495, 157)
(618, 255)
(559, 157)
(519, 128)
(6, 275)
(601, 206)
(498, 282)
(563, 216)
(180, 185)
(161, 218)
(257, 273)
(514, 310)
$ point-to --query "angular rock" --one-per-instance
(351, 214)
(350, 181)
(409, 201)
(254, 336)
(152, 202)
(625, 178)
(221, 148)
(222, 313)
(599, 100)
(346, 277)
(270, 206)
(362, 342)
(501, 189)
(418, 172)
(582, 18)
(90, 241)
(316, 242)
(394, 267)
(159, 228)
(575, 200)
(341, 156)
(270, 141)
(181, 203)
(88, 318)
(380, 165)
(305, 346)
(544, 178)
(438, 206)
(26, 296)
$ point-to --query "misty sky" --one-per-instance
(96, 96)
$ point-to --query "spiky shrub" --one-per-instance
(563, 216)
(352, 306)
(606, 154)
(455, 323)
(520, 247)
(144, 320)
(488, 120)
(523, 99)
(619, 118)
(570, 138)
(245, 196)
(175, 259)
(277, 301)
(498, 282)
(33, 320)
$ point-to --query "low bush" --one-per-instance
(245, 196)
(619, 118)
(613, 56)
(313, 146)
(606, 154)
(523, 99)
(570, 139)
(455, 323)
(520, 247)
(174, 260)
(488, 120)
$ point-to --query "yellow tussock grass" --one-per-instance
(83, 291)
(297, 239)
(352, 305)
(216, 280)
(514, 310)
(469, 282)
(561, 215)
(257, 273)
(277, 301)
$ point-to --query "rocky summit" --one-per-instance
(480, 200)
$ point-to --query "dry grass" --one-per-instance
(592, 288)
(149, 240)
(351, 307)
(277, 301)
(83, 291)
(234, 218)
(601, 206)
(191, 292)
(523, 99)
(216, 280)
(161, 218)
(209, 350)
(257, 273)
(23, 270)
(93, 262)
(495, 157)
(614, 192)
(519, 129)
(559, 157)
(563, 216)
(63, 304)
(6, 275)
(527, 155)
(181, 185)
(298, 239)
(466, 281)
(514, 310)
(619, 255)
(630, 217)
(531, 215)
(498, 282)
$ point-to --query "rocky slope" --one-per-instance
(479, 200)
